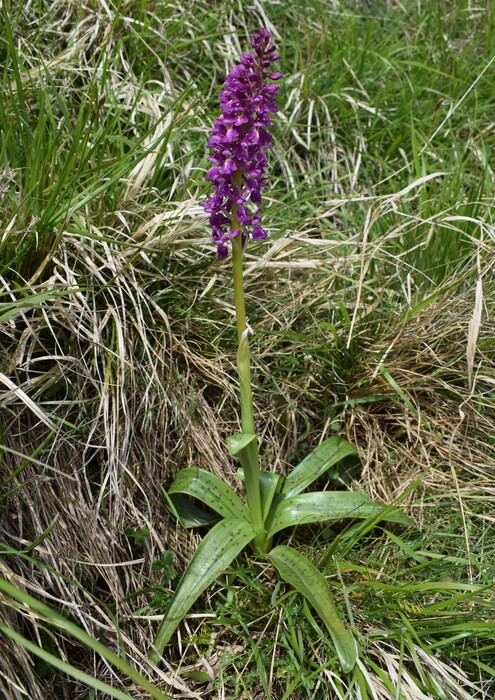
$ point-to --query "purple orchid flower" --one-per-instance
(238, 142)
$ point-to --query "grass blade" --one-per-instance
(61, 622)
(63, 666)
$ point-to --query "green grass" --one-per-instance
(117, 345)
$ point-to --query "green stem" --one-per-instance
(250, 458)
(243, 355)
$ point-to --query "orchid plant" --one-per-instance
(239, 140)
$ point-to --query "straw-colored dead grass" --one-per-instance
(433, 425)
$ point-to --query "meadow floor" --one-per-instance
(372, 306)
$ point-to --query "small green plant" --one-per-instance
(239, 140)
(139, 536)
(166, 564)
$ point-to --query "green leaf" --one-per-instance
(238, 443)
(188, 513)
(208, 488)
(322, 506)
(328, 453)
(215, 553)
(307, 580)
(270, 486)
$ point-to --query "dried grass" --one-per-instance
(445, 426)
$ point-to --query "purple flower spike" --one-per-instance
(238, 140)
